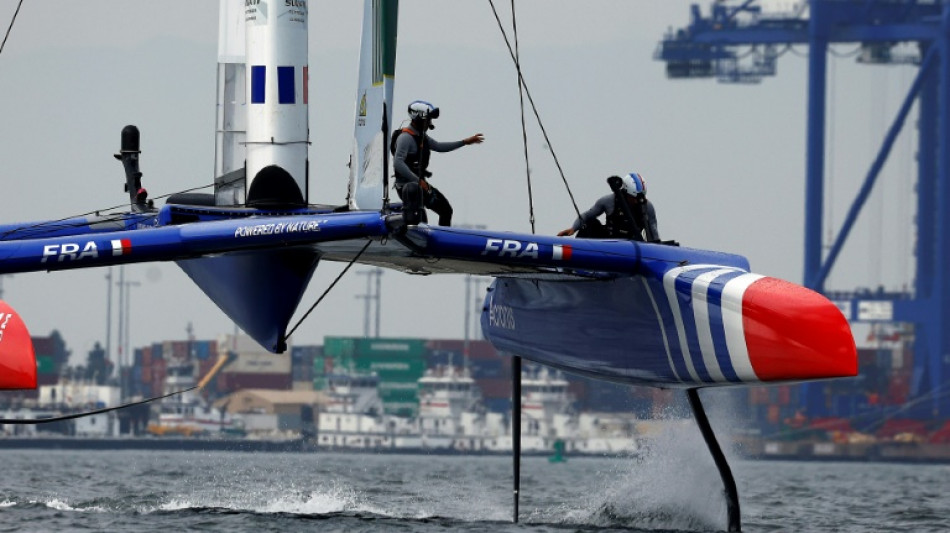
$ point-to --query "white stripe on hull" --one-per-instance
(732, 318)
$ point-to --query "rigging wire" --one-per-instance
(52, 224)
(524, 131)
(534, 108)
(327, 291)
(10, 27)
(34, 421)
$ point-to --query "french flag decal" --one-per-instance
(561, 253)
(121, 247)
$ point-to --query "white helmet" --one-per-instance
(633, 184)
(422, 110)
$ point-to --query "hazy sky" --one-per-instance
(724, 163)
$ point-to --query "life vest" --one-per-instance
(619, 226)
(418, 161)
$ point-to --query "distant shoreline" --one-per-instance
(810, 451)
(240, 445)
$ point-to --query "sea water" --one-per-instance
(666, 490)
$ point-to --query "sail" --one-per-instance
(231, 114)
(377, 72)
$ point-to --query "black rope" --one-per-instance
(117, 216)
(534, 108)
(327, 291)
(524, 131)
(10, 27)
(34, 421)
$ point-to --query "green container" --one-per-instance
(45, 365)
(391, 347)
(392, 367)
(339, 347)
(399, 396)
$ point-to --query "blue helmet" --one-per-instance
(633, 184)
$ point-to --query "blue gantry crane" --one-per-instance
(737, 42)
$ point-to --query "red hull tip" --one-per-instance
(794, 333)
(17, 358)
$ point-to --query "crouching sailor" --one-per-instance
(629, 214)
(411, 160)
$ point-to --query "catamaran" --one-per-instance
(631, 312)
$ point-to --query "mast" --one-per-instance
(277, 117)
(231, 112)
(373, 95)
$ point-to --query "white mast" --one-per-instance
(376, 79)
(231, 120)
(277, 118)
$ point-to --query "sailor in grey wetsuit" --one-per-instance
(411, 147)
(636, 220)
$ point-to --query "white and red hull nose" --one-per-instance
(733, 326)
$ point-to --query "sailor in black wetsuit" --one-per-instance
(411, 148)
(629, 214)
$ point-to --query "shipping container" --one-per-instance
(323, 365)
(477, 349)
(45, 365)
(390, 347)
(302, 373)
(319, 383)
(305, 355)
(139, 355)
(157, 352)
(391, 366)
(898, 388)
(784, 394)
(43, 346)
(339, 347)
(494, 388)
(203, 350)
(259, 363)
(229, 382)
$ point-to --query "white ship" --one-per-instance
(354, 419)
(452, 418)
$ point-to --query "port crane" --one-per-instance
(738, 42)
